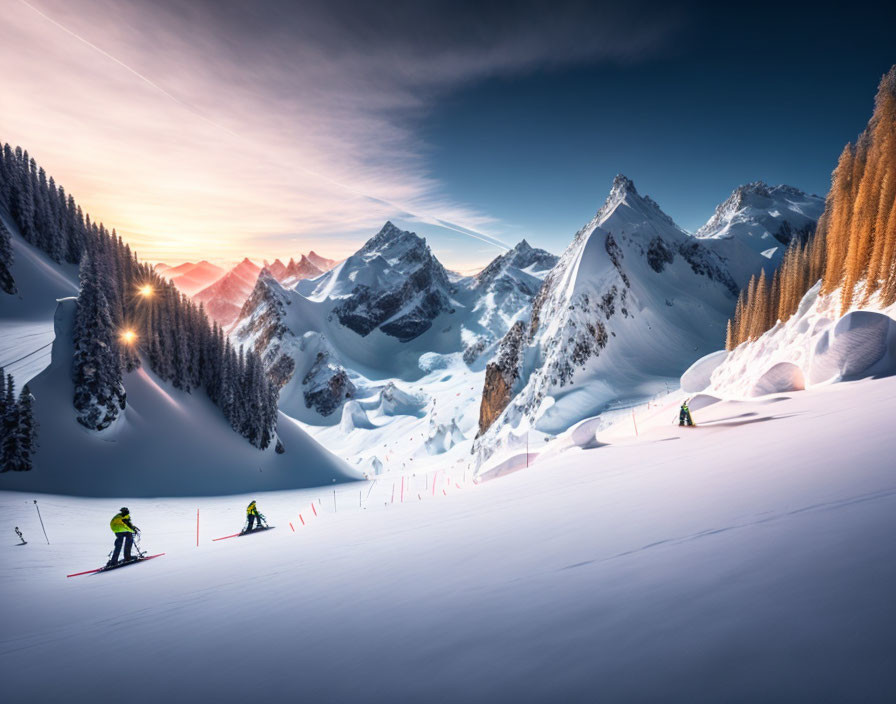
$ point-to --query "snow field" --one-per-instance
(749, 559)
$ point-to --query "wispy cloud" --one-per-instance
(266, 128)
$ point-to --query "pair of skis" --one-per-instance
(245, 532)
(123, 563)
(144, 558)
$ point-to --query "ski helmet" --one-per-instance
(124, 509)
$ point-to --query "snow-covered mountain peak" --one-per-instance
(394, 245)
(522, 258)
(753, 226)
(625, 200)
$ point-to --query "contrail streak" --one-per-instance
(469, 232)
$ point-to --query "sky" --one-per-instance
(217, 129)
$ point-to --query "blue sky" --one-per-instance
(730, 100)
(220, 129)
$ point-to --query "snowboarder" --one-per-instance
(684, 416)
(253, 515)
(124, 535)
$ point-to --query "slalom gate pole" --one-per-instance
(371, 488)
(634, 422)
(41, 521)
(313, 509)
(290, 525)
(334, 501)
(197, 527)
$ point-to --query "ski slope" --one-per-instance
(749, 559)
(26, 317)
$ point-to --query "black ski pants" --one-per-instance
(128, 540)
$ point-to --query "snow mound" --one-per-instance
(857, 343)
(394, 401)
(698, 375)
(443, 437)
(783, 376)
(584, 434)
(701, 401)
(353, 416)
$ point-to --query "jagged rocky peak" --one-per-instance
(523, 257)
(394, 244)
(405, 287)
(624, 193)
(302, 269)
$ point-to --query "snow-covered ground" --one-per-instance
(749, 559)
(26, 317)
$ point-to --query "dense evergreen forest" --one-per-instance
(126, 313)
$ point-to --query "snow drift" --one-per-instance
(815, 346)
(781, 377)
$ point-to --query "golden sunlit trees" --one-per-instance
(855, 242)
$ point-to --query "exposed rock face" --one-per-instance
(413, 290)
(500, 377)
(327, 386)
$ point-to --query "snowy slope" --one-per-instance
(631, 303)
(752, 228)
(26, 317)
(167, 442)
(748, 560)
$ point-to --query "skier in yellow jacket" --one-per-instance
(253, 515)
(124, 534)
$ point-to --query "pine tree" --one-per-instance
(27, 429)
(10, 450)
(7, 283)
(99, 394)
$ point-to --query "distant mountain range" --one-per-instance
(223, 292)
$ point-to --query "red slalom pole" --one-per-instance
(301, 519)
(313, 509)
(290, 525)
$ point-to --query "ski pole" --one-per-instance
(41, 521)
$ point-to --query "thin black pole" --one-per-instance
(41, 521)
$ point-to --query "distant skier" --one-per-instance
(124, 535)
(684, 416)
(253, 515)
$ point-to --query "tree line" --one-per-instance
(126, 312)
(18, 429)
(854, 248)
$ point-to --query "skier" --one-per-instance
(124, 534)
(253, 515)
(684, 416)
